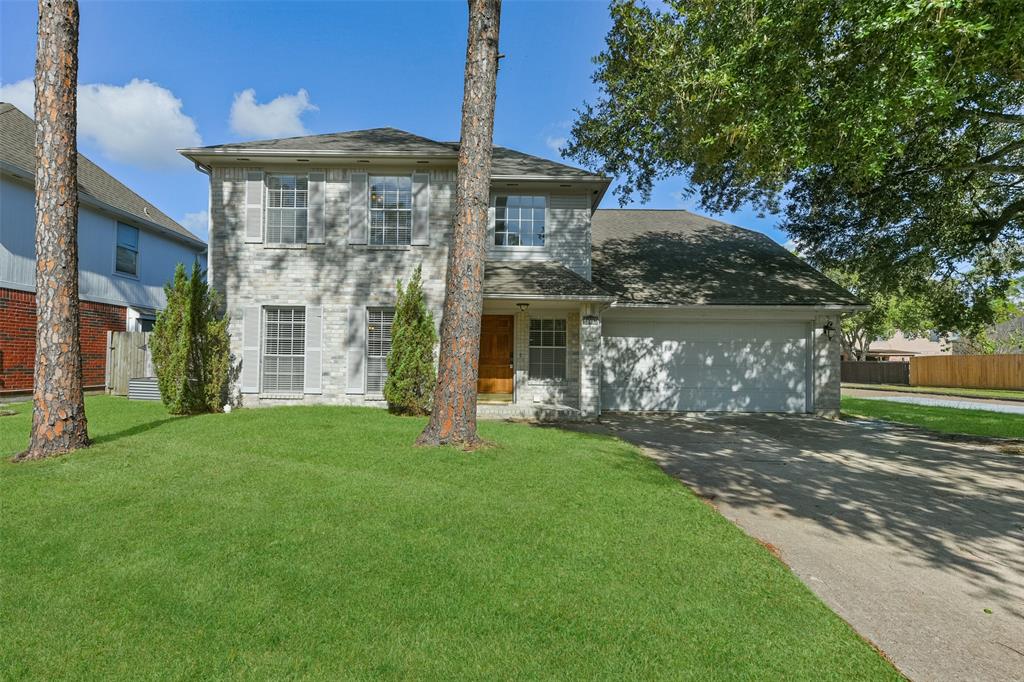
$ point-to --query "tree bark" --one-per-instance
(58, 414)
(453, 419)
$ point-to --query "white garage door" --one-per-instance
(748, 366)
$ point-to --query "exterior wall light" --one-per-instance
(830, 330)
(523, 307)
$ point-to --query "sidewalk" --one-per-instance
(932, 400)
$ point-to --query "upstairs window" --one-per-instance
(378, 347)
(390, 209)
(284, 350)
(519, 220)
(126, 259)
(287, 208)
(547, 349)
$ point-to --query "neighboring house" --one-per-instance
(900, 347)
(127, 251)
(585, 310)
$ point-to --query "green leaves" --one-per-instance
(411, 373)
(884, 131)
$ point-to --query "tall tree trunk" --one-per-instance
(453, 420)
(58, 414)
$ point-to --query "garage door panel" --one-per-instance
(674, 366)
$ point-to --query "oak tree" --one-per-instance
(887, 134)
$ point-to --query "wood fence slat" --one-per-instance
(861, 372)
(968, 371)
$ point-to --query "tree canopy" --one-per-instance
(886, 134)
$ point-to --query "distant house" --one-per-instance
(128, 249)
(1006, 338)
(900, 347)
(585, 310)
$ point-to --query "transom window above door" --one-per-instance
(519, 220)
(390, 209)
(287, 208)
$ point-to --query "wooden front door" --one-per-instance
(496, 356)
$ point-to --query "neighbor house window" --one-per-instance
(390, 209)
(284, 350)
(519, 220)
(547, 349)
(126, 261)
(378, 347)
(287, 206)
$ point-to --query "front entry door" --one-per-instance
(496, 356)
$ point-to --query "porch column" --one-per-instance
(825, 363)
(590, 361)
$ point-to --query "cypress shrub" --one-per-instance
(190, 346)
(411, 373)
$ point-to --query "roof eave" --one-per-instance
(824, 307)
(546, 297)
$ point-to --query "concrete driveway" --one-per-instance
(917, 541)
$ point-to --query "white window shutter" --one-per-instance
(358, 208)
(315, 214)
(355, 345)
(254, 206)
(251, 349)
(314, 349)
(420, 209)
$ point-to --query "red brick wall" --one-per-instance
(18, 339)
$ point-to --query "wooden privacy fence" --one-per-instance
(858, 372)
(128, 358)
(968, 371)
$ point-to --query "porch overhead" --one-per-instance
(538, 280)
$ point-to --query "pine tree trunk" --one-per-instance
(58, 414)
(453, 419)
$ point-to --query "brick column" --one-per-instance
(590, 362)
(825, 367)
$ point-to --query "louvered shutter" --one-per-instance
(355, 344)
(251, 349)
(420, 209)
(314, 348)
(315, 214)
(254, 206)
(358, 220)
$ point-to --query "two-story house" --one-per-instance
(585, 309)
(127, 250)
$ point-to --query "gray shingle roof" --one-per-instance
(677, 257)
(531, 279)
(394, 142)
(17, 149)
(354, 142)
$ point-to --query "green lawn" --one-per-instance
(944, 419)
(316, 542)
(1004, 394)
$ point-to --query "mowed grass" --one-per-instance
(316, 542)
(943, 419)
(998, 393)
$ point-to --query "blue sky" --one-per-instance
(155, 75)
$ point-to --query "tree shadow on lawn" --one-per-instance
(951, 504)
(138, 429)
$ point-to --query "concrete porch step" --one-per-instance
(531, 411)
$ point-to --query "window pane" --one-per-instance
(127, 261)
(284, 347)
(128, 236)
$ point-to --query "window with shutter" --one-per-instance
(547, 349)
(390, 209)
(284, 350)
(378, 347)
(287, 208)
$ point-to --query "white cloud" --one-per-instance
(280, 117)
(197, 223)
(21, 94)
(139, 123)
(555, 143)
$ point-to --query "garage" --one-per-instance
(705, 366)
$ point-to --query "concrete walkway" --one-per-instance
(992, 405)
(916, 541)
